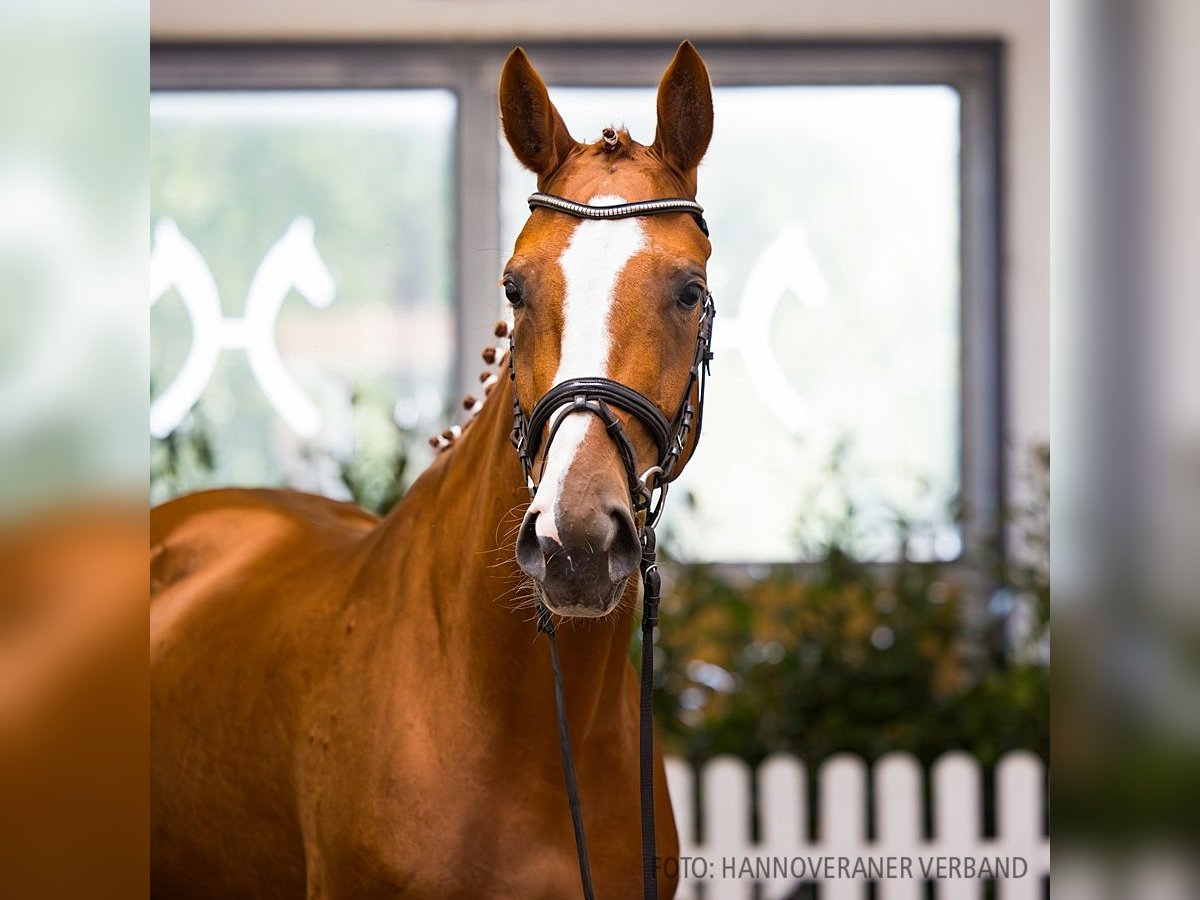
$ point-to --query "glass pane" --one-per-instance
(302, 261)
(835, 221)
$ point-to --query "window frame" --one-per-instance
(974, 68)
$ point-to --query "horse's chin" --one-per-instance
(593, 605)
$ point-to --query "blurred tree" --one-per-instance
(846, 655)
(374, 473)
(184, 460)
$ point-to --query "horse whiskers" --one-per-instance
(520, 586)
(627, 604)
(518, 597)
(505, 544)
(517, 514)
(522, 595)
(505, 547)
(506, 541)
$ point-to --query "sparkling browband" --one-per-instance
(621, 210)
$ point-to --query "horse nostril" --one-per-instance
(530, 557)
(596, 554)
(625, 552)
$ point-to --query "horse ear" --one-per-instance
(534, 129)
(685, 110)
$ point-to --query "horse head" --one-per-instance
(620, 299)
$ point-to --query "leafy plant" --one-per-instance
(374, 472)
(846, 655)
(183, 460)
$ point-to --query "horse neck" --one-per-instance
(457, 529)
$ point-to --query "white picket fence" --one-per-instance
(715, 863)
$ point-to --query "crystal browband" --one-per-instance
(621, 210)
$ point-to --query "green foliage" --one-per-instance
(374, 473)
(184, 460)
(845, 655)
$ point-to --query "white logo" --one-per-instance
(786, 264)
(292, 261)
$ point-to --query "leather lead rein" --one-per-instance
(596, 396)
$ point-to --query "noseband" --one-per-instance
(598, 396)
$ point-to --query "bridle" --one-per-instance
(598, 396)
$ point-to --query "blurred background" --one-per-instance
(329, 203)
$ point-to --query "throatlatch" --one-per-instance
(597, 396)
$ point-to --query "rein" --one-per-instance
(598, 396)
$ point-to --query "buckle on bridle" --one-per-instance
(654, 510)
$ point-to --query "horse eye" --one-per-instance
(512, 292)
(691, 295)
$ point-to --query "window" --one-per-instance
(852, 192)
(835, 230)
(324, 220)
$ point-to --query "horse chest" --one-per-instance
(437, 830)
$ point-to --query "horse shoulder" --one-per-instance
(249, 588)
(213, 529)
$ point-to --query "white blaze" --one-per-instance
(591, 264)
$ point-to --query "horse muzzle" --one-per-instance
(582, 568)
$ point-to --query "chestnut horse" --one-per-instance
(348, 707)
